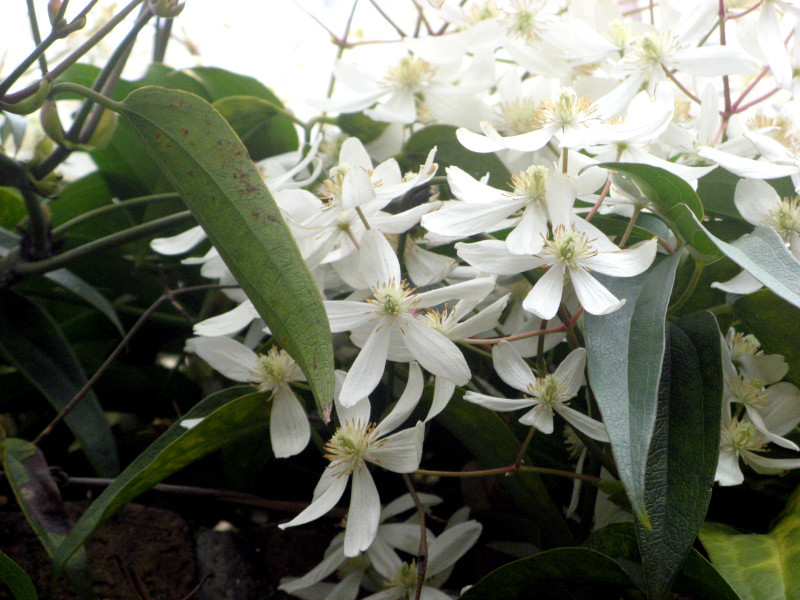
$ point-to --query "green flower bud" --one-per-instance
(51, 122)
(106, 127)
(166, 8)
(32, 103)
(53, 9)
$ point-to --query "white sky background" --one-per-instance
(275, 41)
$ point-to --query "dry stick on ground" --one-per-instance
(166, 296)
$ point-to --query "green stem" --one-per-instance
(82, 90)
(97, 212)
(631, 223)
(39, 229)
(687, 293)
(161, 39)
(27, 269)
(37, 36)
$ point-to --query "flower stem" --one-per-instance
(631, 223)
(422, 552)
(687, 293)
(509, 471)
(97, 212)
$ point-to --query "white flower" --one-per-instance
(390, 313)
(546, 395)
(272, 372)
(356, 442)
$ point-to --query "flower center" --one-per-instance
(785, 218)
(531, 184)
(393, 300)
(565, 109)
(549, 391)
(347, 447)
(331, 188)
(404, 579)
(517, 116)
(651, 49)
(409, 74)
(619, 33)
(441, 320)
(742, 345)
(523, 19)
(741, 435)
(273, 368)
(569, 246)
(749, 392)
(481, 12)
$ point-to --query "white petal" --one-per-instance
(594, 297)
(594, 429)
(476, 142)
(511, 368)
(289, 431)
(356, 188)
(765, 465)
(624, 263)
(346, 315)
(747, 167)
(475, 289)
(229, 357)
(354, 154)
(322, 503)
(377, 260)
(728, 471)
(711, 61)
(483, 321)
(529, 235)
(755, 199)
(460, 219)
(570, 371)
(435, 352)
(743, 283)
(405, 503)
(544, 298)
(468, 189)
(560, 196)
(381, 556)
(426, 267)
(178, 244)
(406, 404)
(442, 392)
(496, 404)
(328, 565)
(783, 413)
(539, 417)
(451, 545)
(364, 513)
(770, 368)
(228, 323)
(399, 452)
(367, 369)
(526, 142)
(399, 107)
(771, 41)
(492, 256)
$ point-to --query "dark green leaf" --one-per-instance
(218, 83)
(625, 350)
(36, 347)
(759, 567)
(80, 288)
(697, 579)
(450, 152)
(776, 324)
(697, 237)
(202, 157)
(488, 438)
(16, 579)
(579, 570)
(227, 415)
(263, 129)
(37, 494)
(684, 449)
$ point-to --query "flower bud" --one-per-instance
(51, 122)
(166, 8)
(104, 131)
(32, 103)
(53, 10)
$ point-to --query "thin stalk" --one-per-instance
(540, 347)
(161, 38)
(76, 55)
(422, 551)
(39, 229)
(629, 228)
(341, 48)
(509, 471)
(363, 218)
(70, 406)
(388, 19)
(97, 212)
(37, 35)
(726, 85)
(682, 87)
(528, 334)
(687, 293)
(28, 269)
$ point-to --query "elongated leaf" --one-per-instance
(34, 344)
(684, 449)
(490, 440)
(684, 221)
(759, 567)
(226, 416)
(37, 494)
(625, 350)
(776, 324)
(69, 281)
(16, 579)
(662, 188)
(201, 156)
(579, 570)
(697, 579)
(449, 151)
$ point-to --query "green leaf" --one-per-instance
(684, 221)
(759, 567)
(35, 345)
(776, 324)
(765, 256)
(12, 207)
(219, 83)
(716, 190)
(578, 570)
(625, 350)
(449, 152)
(16, 579)
(204, 160)
(697, 579)
(263, 128)
(71, 282)
(227, 415)
(662, 188)
(361, 126)
(492, 443)
(684, 449)
(37, 494)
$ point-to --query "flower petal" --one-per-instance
(570, 371)
(406, 404)
(364, 513)
(178, 244)
(594, 429)
(367, 369)
(356, 188)
(624, 263)
(377, 260)
(544, 298)
(755, 199)
(228, 323)
(435, 352)
(442, 392)
(325, 501)
(539, 417)
(492, 256)
(452, 544)
(495, 403)
(594, 297)
(511, 368)
(399, 452)
(229, 357)
(346, 315)
(289, 431)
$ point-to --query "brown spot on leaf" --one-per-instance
(255, 214)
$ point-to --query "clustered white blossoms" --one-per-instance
(552, 88)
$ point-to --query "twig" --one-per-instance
(422, 552)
